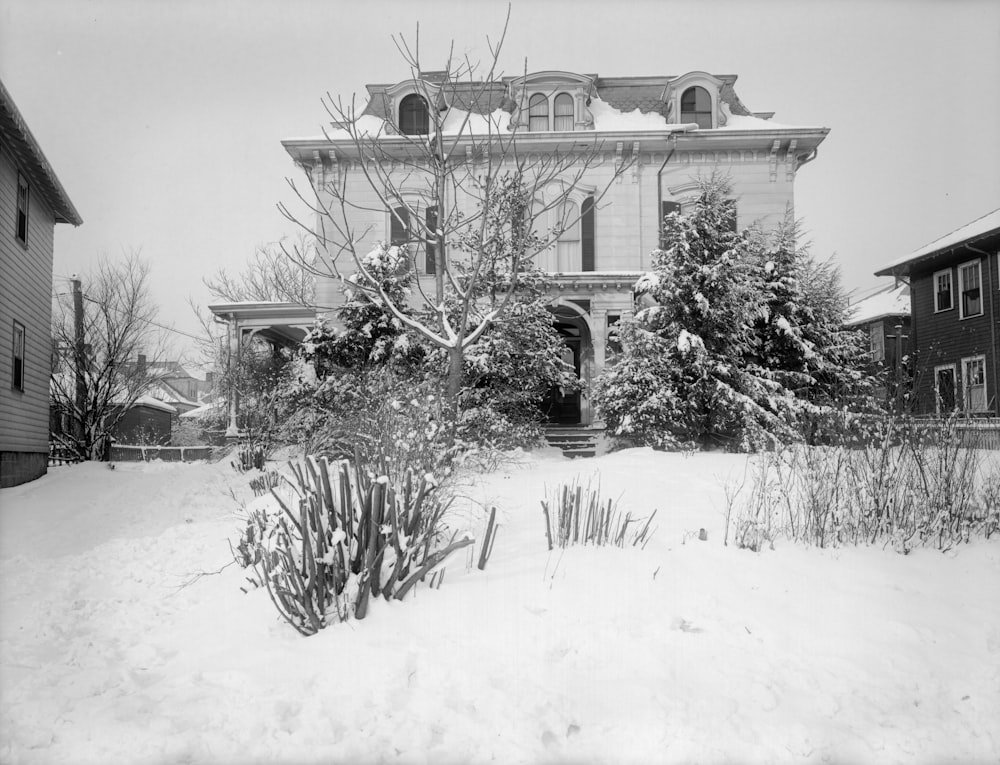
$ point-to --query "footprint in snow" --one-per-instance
(677, 623)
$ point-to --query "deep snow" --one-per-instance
(114, 650)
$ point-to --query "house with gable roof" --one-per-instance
(671, 131)
(955, 305)
(32, 202)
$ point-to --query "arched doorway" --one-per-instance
(562, 407)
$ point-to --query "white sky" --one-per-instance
(163, 119)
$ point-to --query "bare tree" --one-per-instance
(269, 276)
(99, 334)
(445, 186)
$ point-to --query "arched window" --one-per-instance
(538, 113)
(413, 116)
(696, 106)
(564, 112)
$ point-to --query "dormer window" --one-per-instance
(696, 106)
(414, 117)
(538, 113)
(551, 100)
(564, 117)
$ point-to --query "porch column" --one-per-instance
(233, 363)
(599, 335)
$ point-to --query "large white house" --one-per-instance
(670, 132)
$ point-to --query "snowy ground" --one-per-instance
(114, 652)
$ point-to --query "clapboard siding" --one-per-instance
(945, 338)
(26, 283)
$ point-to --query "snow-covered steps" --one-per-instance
(574, 440)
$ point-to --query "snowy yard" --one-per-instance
(114, 651)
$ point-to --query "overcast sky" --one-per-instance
(163, 119)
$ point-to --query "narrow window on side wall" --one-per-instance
(17, 358)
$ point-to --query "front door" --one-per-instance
(563, 408)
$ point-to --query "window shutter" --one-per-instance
(399, 226)
(587, 234)
(430, 261)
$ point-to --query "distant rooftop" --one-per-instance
(890, 301)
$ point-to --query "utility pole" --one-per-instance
(79, 357)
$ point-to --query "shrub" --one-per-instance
(916, 484)
(338, 536)
(577, 515)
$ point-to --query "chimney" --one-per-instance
(209, 378)
(140, 367)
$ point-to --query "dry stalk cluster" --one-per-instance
(575, 514)
(266, 481)
(249, 455)
(337, 536)
(912, 486)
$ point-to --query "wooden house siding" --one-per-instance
(944, 337)
(25, 297)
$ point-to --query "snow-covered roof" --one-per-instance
(15, 134)
(987, 225)
(202, 411)
(164, 391)
(607, 119)
(893, 300)
(154, 403)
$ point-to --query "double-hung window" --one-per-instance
(969, 289)
(942, 291)
(538, 113)
(21, 222)
(17, 358)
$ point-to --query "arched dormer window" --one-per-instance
(538, 113)
(564, 118)
(696, 106)
(414, 118)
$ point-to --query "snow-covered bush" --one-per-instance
(333, 536)
(917, 485)
(575, 514)
(732, 347)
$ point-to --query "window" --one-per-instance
(665, 209)
(877, 339)
(399, 226)
(974, 381)
(414, 118)
(21, 224)
(970, 295)
(564, 119)
(944, 388)
(587, 250)
(538, 113)
(942, 291)
(696, 106)
(17, 358)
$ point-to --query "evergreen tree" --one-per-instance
(727, 349)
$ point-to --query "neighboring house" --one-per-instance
(885, 317)
(164, 391)
(675, 129)
(180, 379)
(955, 306)
(32, 201)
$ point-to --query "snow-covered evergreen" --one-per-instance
(729, 349)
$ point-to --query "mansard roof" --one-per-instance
(22, 144)
(647, 94)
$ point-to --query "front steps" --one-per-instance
(574, 440)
